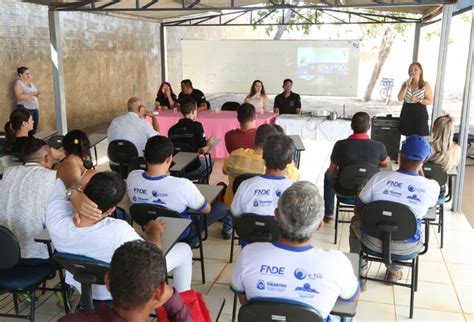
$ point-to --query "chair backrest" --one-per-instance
(388, 221)
(230, 106)
(352, 178)
(56, 141)
(12, 159)
(142, 213)
(137, 163)
(269, 310)
(241, 178)
(3, 138)
(121, 151)
(435, 172)
(9, 249)
(86, 271)
(256, 228)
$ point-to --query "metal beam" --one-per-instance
(416, 42)
(163, 53)
(442, 58)
(58, 76)
(465, 115)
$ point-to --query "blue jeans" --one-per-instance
(218, 211)
(35, 116)
(329, 194)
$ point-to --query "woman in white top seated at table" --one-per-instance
(258, 98)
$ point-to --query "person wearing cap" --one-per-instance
(405, 186)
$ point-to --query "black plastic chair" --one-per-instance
(120, 152)
(56, 141)
(436, 172)
(137, 163)
(270, 310)
(253, 228)
(235, 185)
(87, 271)
(390, 221)
(204, 176)
(20, 276)
(349, 183)
(230, 106)
(3, 138)
(142, 213)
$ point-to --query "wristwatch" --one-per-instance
(69, 191)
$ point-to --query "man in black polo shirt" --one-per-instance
(187, 90)
(358, 148)
(287, 102)
(191, 132)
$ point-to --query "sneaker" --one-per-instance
(226, 235)
(394, 276)
(328, 220)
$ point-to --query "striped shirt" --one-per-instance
(418, 92)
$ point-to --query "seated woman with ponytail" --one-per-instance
(445, 152)
(76, 169)
(16, 130)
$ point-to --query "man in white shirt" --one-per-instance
(132, 126)
(292, 269)
(259, 195)
(99, 239)
(404, 186)
(24, 194)
(155, 186)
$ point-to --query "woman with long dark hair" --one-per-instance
(165, 98)
(76, 169)
(257, 97)
(415, 93)
(27, 95)
(16, 129)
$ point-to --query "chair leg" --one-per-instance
(15, 303)
(232, 246)
(416, 273)
(43, 288)
(201, 253)
(441, 223)
(412, 286)
(67, 305)
(234, 307)
(336, 221)
(32, 307)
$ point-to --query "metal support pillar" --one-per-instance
(442, 57)
(164, 65)
(57, 66)
(464, 126)
(416, 42)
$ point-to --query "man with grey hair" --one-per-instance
(292, 269)
(24, 195)
(133, 127)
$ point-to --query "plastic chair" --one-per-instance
(436, 172)
(349, 183)
(142, 213)
(86, 271)
(253, 228)
(137, 163)
(237, 181)
(269, 310)
(23, 276)
(391, 221)
(120, 152)
(230, 106)
(56, 141)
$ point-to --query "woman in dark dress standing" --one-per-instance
(416, 94)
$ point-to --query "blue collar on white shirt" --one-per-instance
(415, 174)
(292, 248)
(272, 177)
(152, 178)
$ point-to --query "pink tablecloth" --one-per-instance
(215, 124)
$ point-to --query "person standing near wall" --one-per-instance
(416, 94)
(27, 95)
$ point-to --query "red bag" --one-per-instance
(197, 306)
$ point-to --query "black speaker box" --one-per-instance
(386, 130)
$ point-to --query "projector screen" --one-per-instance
(325, 68)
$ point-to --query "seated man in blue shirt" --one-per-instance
(137, 282)
(292, 269)
(155, 186)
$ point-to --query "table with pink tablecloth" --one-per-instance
(215, 123)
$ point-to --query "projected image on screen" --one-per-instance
(323, 66)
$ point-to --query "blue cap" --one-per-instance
(416, 148)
